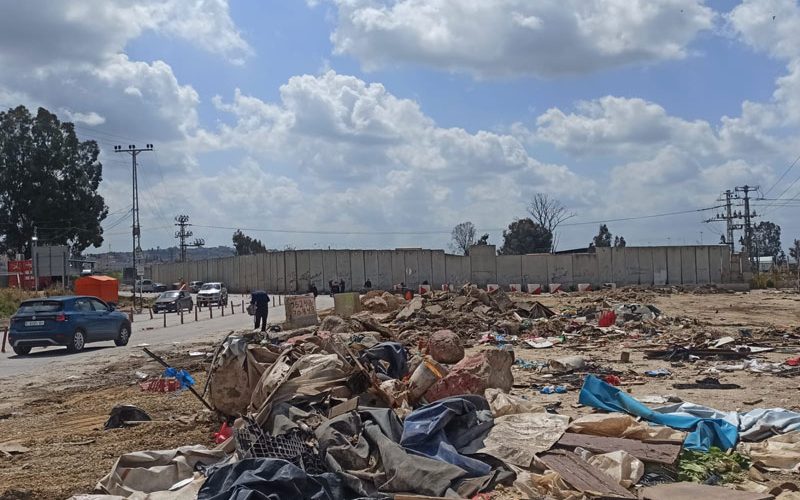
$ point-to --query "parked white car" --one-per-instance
(212, 293)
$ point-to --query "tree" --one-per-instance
(619, 241)
(48, 180)
(794, 252)
(463, 237)
(525, 236)
(603, 238)
(766, 240)
(246, 245)
(548, 213)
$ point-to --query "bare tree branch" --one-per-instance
(463, 236)
(548, 213)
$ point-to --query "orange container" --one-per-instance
(103, 287)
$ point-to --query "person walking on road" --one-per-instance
(260, 299)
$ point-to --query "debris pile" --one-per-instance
(397, 400)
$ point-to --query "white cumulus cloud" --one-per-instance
(491, 38)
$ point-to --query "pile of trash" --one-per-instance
(388, 402)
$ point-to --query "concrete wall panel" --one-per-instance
(272, 277)
(534, 269)
(715, 264)
(249, 273)
(438, 268)
(398, 267)
(329, 268)
(726, 264)
(688, 265)
(618, 266)
(262, 264)
(343, 268)
(483, 264)
(674, 265)
(457, 271)
(384, 270)
(371, 269)
(559, 268)
(702, 265)
(631, 266)
(412, 268)
(660, 266)
(290, 263)
(425, 266)
(645, 266)
(317, 269)
(509, 269)
(585, 269)
(605, 266)
(281, 272)
(357, 274)
(303, 259)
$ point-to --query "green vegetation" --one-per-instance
(698, 466)
(10, 299)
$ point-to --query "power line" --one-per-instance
(444, 231)
(783, 175)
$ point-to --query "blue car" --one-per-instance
(71, 321)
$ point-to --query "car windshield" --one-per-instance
(210, 286)
(169, 295)
(39, 306)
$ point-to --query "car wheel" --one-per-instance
(78, 342)
(123, 335)
(22, 350)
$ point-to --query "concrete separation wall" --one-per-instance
(585, 269)
(292, 271)
(509, 268)
(483, 263)
(534, 270)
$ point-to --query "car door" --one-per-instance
(186, 300)
(88, 318)
(106, 322)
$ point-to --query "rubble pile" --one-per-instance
(394, 400)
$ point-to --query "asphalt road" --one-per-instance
(144, 331)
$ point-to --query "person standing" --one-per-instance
(260, 299)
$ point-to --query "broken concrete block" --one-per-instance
(445, 347)
(412, 308)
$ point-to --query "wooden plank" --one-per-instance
(693, 491)
(583, 476)
(662, 453)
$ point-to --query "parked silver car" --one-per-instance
(212, 293)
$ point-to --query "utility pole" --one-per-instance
(182, 221)
(748, 228)
(729, 216)
(34, 260)
(136, 229)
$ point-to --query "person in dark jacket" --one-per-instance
(260, 299)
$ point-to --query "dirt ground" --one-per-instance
(61, 422)
(60, 418)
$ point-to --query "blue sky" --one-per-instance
(382, 123)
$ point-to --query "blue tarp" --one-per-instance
(704, 432)
(447, 428)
